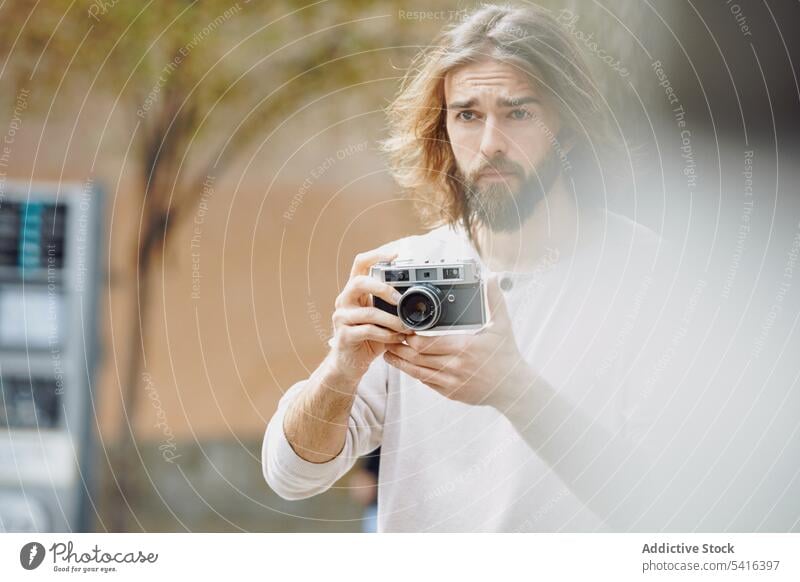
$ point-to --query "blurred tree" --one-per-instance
(199, 82)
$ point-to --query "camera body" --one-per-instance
(444, 295)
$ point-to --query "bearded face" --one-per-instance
(501, 127)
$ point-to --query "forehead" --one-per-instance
(488, 77)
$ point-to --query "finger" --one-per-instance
(433, 378)
(438, 344)
(362, 285)
(498, 311)
(356, 334)
(364, 261)
(361, 315)
(412, 356)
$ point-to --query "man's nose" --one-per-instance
(493, 141)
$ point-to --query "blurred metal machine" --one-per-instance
(50, 236)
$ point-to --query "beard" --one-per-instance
(496, 204)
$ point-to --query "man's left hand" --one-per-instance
(482, 368)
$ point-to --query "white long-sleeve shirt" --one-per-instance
(579, 319)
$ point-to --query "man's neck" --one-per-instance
(553, 226)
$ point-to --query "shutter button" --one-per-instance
(506, 283)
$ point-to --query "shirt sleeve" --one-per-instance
(293, 477)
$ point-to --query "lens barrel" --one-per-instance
(420, 307)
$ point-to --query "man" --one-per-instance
(536, 422)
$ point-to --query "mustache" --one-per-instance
(498, 165)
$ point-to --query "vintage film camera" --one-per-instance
(443, 296)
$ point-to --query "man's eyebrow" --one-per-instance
(501, 102)
(465, 104)
(516, 101)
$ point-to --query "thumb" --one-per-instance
(498, 312)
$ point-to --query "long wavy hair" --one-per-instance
(529, 38)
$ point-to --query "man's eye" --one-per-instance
(521, 114)
(466, 115)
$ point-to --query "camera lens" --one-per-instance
(420, 307)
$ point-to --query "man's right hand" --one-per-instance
(361, 331)
(316, 422)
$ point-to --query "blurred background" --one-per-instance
(183, 186)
